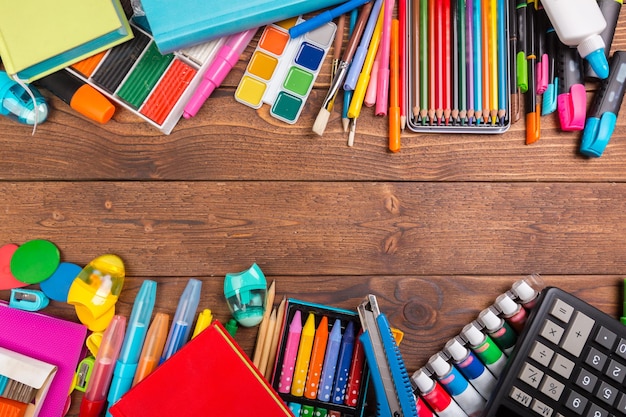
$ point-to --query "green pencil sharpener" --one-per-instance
(245, 294)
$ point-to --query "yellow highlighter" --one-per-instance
(304, 356)
(364, 78)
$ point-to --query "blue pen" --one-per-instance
(343, 364)
(183, 319)
(133, 341)
(605, 107)
(359, 56)
(330, 362)
(323, 18)
(17, 104)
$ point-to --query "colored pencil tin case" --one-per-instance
(460, 81)
(320, 367)
(155, 87)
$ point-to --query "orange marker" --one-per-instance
(394, 79)
(153, 346)
(317, 359)
(304, 356)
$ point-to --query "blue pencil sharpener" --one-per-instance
(245, 294)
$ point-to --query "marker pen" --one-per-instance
(423, 410)
(512, 312)
(79, 95)
(474, 370)
(527, 290)
(572, 98)
(457, 386)
(499, 330)
(225, 60)
(435, 396)
(604, 109)
(485, 348)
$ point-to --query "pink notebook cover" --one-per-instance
(49, 339)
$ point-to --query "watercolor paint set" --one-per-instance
(457, 66)
(153, 86)
(282, 69)
(320, 367)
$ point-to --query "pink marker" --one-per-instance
(382, 88)
(225, 60)
(291, 353)
(370, 93)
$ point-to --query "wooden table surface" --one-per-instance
(436, 231)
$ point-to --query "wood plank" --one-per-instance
(206, 228)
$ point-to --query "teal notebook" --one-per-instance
(177, 25)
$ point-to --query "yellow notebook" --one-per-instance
(38, 37)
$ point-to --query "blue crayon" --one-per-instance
(466, 396)
(343, 364)
(471, 367)
(330, 362)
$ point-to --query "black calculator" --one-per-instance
(570, 360)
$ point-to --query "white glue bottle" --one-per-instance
(579, 23)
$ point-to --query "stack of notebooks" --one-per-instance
(41, 37)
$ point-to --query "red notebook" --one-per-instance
(209, 376)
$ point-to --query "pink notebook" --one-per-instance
(49, 339)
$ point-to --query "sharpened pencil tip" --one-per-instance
(321, 121)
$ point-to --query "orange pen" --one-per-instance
(317, 359)
(394, 85)
(304, 356)
(153, 346)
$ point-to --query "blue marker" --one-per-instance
(471, 367)
(183, 319)
(133, 342)
(17, 104)
(330, 362)
(323, 18)
(361, 51)
(604, 109)
(459, 388)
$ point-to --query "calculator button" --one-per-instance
(562, 366)
(596, 411)
(530, 375)
(621, 348)
(520, 396)
(541, 409)
(576, 402)
(616, 371)
(577, 333)
(596, 359)
(541, 353)
(586, 380)
(552, 332)
(621, 405)
(561, 310)
(552, 388)
(607, 393)
(606, 338)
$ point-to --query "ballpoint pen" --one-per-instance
(533, 112)
(181, 325)
(324, 114)
(324, 17)
(95, 397)
(152, 347)
(225, 60)
(605, 108)
(138, 323)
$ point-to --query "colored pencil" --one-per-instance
(447, 61)
(280, 317)
(424, 64)
(382, 87)
(494, 61)
(402, 36)
(469, 42)
(394, 85)
(478, 62)
(462, 50)
(260, 341)
(456, 105)
(267, 343)
(414, 59)
(487, 76)
(433, 75)
(502, 62)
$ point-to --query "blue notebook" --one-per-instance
(177, 25)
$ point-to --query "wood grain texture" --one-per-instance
(436, 231)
